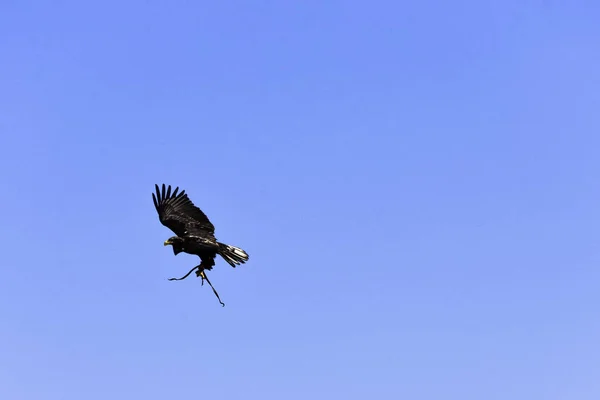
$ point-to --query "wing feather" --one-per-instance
(178, 213)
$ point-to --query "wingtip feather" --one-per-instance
(154, 201)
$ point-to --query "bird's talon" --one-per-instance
(200, 274)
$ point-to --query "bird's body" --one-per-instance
(194, 231)
(203, 247)
(200, 246)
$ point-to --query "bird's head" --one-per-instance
(176, 242)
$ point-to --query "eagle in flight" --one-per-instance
(194, 233)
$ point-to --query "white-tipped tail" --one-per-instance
(233, 255)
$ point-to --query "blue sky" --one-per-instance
(417, 185)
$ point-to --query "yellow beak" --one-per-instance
(166, 243)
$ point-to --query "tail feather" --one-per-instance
(233, 255)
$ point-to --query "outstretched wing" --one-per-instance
(179, 214)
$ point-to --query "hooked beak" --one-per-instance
(166, 243)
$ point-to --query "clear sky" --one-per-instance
(417, 185)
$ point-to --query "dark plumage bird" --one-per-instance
(194, 233)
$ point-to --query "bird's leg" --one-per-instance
(203, 266)
(186, 275)
(200, 273)
(203, 276)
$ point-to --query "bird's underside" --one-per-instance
(194, 233)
